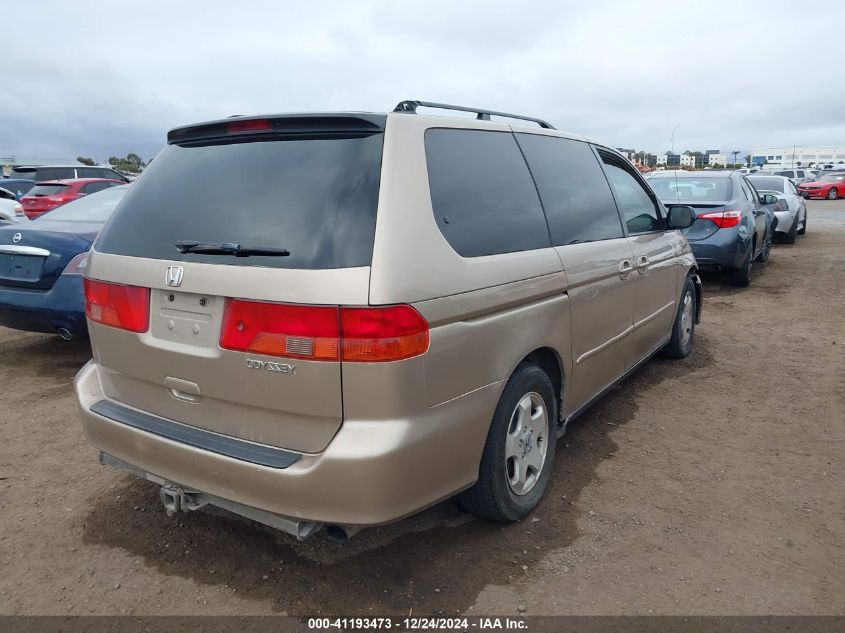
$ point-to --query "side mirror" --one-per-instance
(681, 216)
(768, 198)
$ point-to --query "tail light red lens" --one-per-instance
(324, 333)
(310, 332)
(115, 305)
(383, 334)
(252, 125)
(723, 219)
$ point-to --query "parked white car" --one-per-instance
(797, 176)
(10, 208)
(790, 209)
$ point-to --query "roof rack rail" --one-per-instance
(411, 105)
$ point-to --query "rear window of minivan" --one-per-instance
(315, 198)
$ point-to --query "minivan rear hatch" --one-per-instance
(232, 216)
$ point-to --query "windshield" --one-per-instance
(96, 207)
(315, 198)
(672, 189)
(832, 178)
(767, 184)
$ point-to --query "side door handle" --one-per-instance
(625, 269)
(642, 264)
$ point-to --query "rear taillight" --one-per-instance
(115, 305)
(723, 219)
(324, 333)
(382, 334)
(275, 329)
(77, 265)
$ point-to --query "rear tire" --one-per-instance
(742, 276)
(763, 256)
(803, 229)
(519, 452)
(683, 331)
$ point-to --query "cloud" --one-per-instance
(113, 80)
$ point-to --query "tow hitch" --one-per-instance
(175, 498)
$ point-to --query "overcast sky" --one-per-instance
(106, 79)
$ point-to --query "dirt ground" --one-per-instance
(710, 485)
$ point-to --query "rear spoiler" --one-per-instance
(301, 126)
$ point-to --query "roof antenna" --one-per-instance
(672, 144)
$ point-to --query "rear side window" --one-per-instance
(47, 190)
(91, 172)
(484, 199)
(55, 173)
(573, 189)
(315, 198)
(94, 187)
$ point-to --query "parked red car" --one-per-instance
(46, 196)
(830, 186)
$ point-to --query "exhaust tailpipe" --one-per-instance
(340, 533)
(65, 334)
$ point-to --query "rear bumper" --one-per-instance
(372, 472)
(63, 306)
(726, 248)
(785, 221)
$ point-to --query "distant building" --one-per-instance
(799, 156)
(688, 159)
(716, 159)
(668, 159)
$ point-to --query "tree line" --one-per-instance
(131, 163)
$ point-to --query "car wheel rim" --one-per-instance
(686, 319)
(832, 194)
(526, 444)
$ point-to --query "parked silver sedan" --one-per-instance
(790, 209)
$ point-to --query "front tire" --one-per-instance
(683, 331)
(833, 194)
(519, 452)
(803, 229)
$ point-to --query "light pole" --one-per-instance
(735, 152)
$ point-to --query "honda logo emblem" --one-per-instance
(173, 277)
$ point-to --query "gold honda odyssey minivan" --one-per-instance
(336, 320)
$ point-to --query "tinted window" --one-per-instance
(638, 209)
(768, 184)
(573, 189)
(110, 173)
(23, 172)
(788, 174)
(55, 173)
(94, 208)
(94, 187)
(46, 190)
(315, 198)
(91, 172)
(746, 189)
(484, 199)
(690, 188)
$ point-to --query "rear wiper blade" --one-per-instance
(228, 248)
